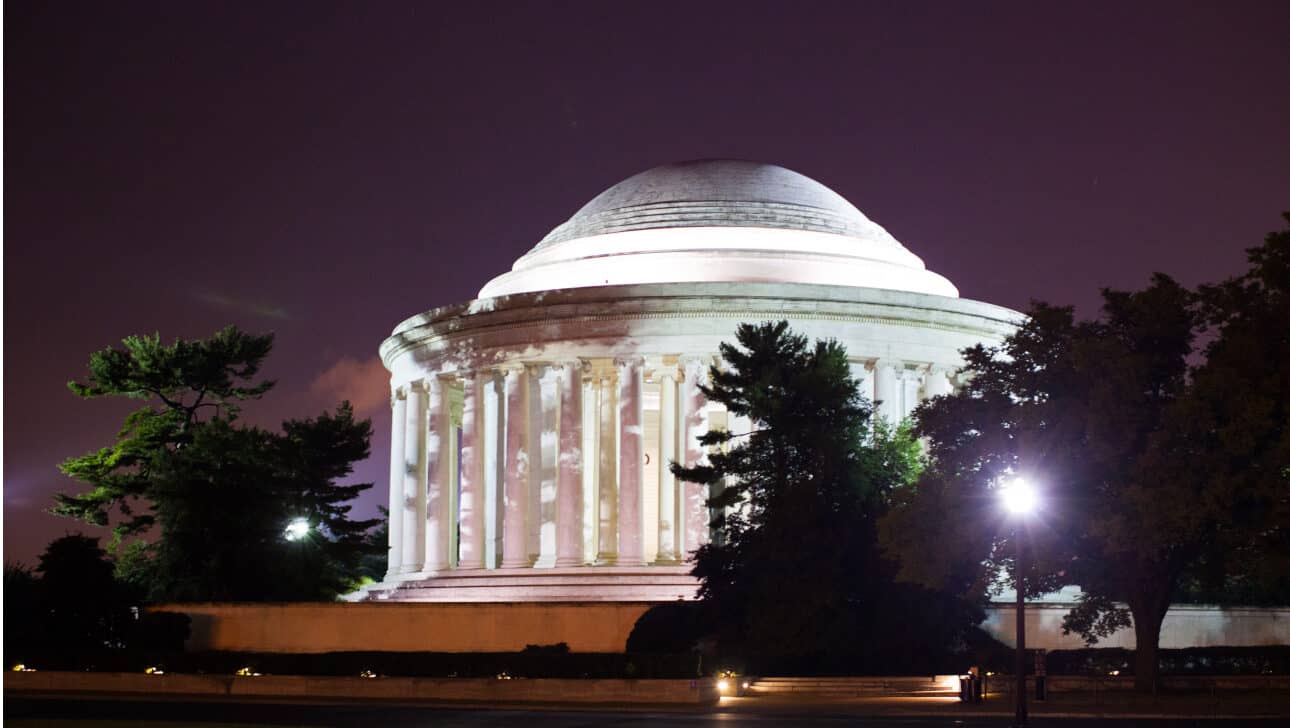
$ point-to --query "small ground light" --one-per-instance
(367, 673)
(153, 671)
(297, 529)
(23, 668)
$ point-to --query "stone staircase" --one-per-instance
(581, 584)
(853, 687)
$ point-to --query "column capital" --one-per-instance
(511, 368)
(631, 360)
(545, 370)
(663, 367)
(694, 365)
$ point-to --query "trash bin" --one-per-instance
(965, 688)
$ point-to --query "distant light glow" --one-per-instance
(1019, 497)
(723, 685)
(297, 529)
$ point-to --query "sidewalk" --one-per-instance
(1118, 704)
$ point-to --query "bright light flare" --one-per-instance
(297, 529)
(723, 686)
(1019, 497)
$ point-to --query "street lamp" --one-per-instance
(297, 529)
(1020, 500)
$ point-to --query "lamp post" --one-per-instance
(1019, 499)
(297, 529)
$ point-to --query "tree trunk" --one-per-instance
(1147, 619)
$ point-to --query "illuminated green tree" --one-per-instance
(204, 498)
(795, 570)
(1164, 473)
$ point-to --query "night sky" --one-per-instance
(324, 171)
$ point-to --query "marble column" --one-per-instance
(494, 465)
(607, 473)
(471, 545)
(693, 521)
(398, 471)
(590, 464)
(515, 552)
(887, 389)
(544, 469)
(667, 440)
(439, 518)
(862, 373)
(631, 461)
(414, 479)
(938, 381)
(568, 534)
(911, 385)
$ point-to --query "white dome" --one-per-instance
(718, 220)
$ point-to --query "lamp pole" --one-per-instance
(1020, 499)
(1020, 721)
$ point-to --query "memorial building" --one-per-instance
(533, 425)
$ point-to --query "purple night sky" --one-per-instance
(324, 171)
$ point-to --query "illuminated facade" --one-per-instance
(533, 425)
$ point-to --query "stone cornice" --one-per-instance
(699, 301)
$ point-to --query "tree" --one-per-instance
(795, 570)
(1236, 428)
(1144, 460)
(218, 494)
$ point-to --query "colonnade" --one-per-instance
(564, 463)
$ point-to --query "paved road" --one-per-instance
(23, 713)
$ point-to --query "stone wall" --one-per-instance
(408, 627)
(604, 627)
(277, 688)
(1184, 626)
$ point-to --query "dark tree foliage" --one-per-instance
(1235, 430)
(80, 605)
(1161, 472)
(23, 610)
(794, 569)
(211, 497)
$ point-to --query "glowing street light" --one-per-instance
(1020, 500)
(297, 529)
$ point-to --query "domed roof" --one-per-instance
(718, 220)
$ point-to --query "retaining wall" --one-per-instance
(408, 627)
(1184, 626)
(398, 689)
